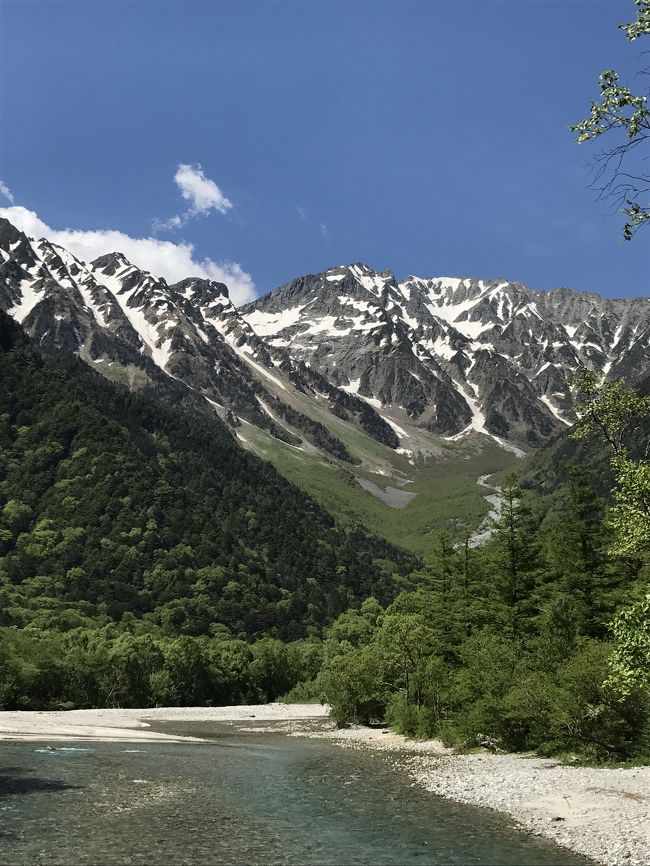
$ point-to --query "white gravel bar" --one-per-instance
(133, 725)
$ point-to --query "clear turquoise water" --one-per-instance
(253, 799)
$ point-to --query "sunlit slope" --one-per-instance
(407, 497)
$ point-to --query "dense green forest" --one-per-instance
(116, 507)
(540, 639)
(507, 646)
(146, 559)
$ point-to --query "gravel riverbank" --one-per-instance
(133, 725)
(601, 813)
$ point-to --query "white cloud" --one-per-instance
(163, 258)
(175, 222)
(6, 192)
(200, 191)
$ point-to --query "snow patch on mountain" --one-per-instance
(265, 324)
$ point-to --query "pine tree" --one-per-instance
(516, 556)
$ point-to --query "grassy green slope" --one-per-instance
(444, 483)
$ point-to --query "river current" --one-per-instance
(238, 799)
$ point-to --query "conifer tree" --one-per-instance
(516, 555)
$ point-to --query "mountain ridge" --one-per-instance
(439, 325)
(349, 367)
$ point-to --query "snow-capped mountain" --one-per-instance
(457, 354)
(134, 327)
(127, 322)
(446, 355)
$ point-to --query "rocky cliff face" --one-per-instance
(453, 356)
(456, 354)
(128, 323)
(134, 327)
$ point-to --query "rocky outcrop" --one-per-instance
(456, 354)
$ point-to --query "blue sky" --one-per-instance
(428, 137)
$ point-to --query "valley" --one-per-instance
(324, 433)
(385, 400)
(204, 505)
(442, 484)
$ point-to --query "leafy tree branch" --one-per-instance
(618, 173)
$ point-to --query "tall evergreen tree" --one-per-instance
(516, 556)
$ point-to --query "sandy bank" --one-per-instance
(133, 725)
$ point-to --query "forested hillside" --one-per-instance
(112, 502)
(549, 470)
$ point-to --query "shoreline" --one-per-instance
(603, 814)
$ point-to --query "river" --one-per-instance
(238, 799)
(484, 531)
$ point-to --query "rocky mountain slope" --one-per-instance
(133, 326)
(456, 354)
(374, 395)
(450, 355)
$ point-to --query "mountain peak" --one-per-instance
(202, 291)
(110, 263)
(10, 236)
